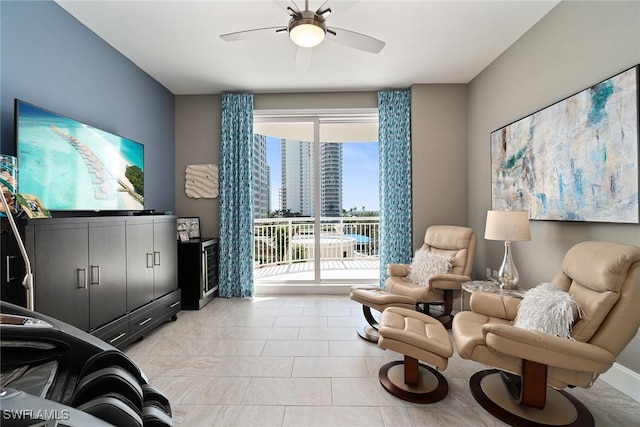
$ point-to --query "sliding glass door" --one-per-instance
(316, 198)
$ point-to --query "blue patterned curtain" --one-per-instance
(236, 196)
(394, 134)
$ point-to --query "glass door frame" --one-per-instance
(317, 118)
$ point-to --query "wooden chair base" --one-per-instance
(413, 381)
(561, 409)
(369, 333)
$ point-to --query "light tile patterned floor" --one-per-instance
(297, 361)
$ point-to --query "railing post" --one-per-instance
(289, 244)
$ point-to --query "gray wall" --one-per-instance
(439, 156)
(315, 101)
(197, 142)
(51, 60)
(576, 45)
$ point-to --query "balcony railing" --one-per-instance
(287, 241)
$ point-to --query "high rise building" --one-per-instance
(331, 178)
(296, 194)
(261, 178)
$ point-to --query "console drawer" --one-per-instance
(153, 314)
(115, 333)
(171, 303)
(143, 319)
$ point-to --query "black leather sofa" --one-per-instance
(54, 374)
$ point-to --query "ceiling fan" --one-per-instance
(307, 29)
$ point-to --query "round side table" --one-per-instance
(488, 286)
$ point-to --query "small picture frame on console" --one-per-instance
(191, 226)
(32, 206)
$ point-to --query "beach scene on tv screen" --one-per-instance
(69, 165)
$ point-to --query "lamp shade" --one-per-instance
(307, 33)
(507, 226)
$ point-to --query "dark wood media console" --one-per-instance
(115, 277)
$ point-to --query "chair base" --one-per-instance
(369, 333)
(561, 408)
(431, 385)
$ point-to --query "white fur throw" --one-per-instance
(426, 264)
(548, 309)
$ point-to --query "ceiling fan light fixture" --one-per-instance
(307, 32)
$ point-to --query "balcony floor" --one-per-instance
(344, 270)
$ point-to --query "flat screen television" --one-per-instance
(72, 166)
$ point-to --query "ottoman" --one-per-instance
(378, 299)
(418, 337)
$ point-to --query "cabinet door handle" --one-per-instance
(82, 282)
(147, 320)
(8, 259)
(156, 258)
(174, 304)
(95, 274)
(112, 340)
(205, 268)
(149, 260)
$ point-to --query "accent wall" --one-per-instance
(49, 59)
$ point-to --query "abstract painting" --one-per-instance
(576, 160)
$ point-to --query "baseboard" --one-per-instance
(297, 289)
(624, 380)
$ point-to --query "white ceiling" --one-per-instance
(177, 41)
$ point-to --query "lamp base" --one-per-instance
(508, 273)
(508, 286)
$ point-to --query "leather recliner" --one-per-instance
(459, 243)
(533, 367)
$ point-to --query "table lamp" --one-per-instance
(508, 226)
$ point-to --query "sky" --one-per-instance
(360, 174)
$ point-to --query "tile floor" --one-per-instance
(297, 361)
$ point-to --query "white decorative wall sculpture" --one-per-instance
(201, 181)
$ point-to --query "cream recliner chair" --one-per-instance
(460, 243)
(604, 279)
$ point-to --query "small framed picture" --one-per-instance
(184, 236)
(32, 206)
(189, 225)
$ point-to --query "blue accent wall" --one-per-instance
(49, 59)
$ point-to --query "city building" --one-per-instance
(331, 179)
(297, 192)
(261, 178)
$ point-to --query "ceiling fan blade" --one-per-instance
(252, 34)
(303, 59)
(323, 10)
(338, 7)
(355, 40)
(288, 6)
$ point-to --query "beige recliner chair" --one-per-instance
(604, 279)
(460, 243)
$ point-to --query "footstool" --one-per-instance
(418, 337)
(378, 299)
